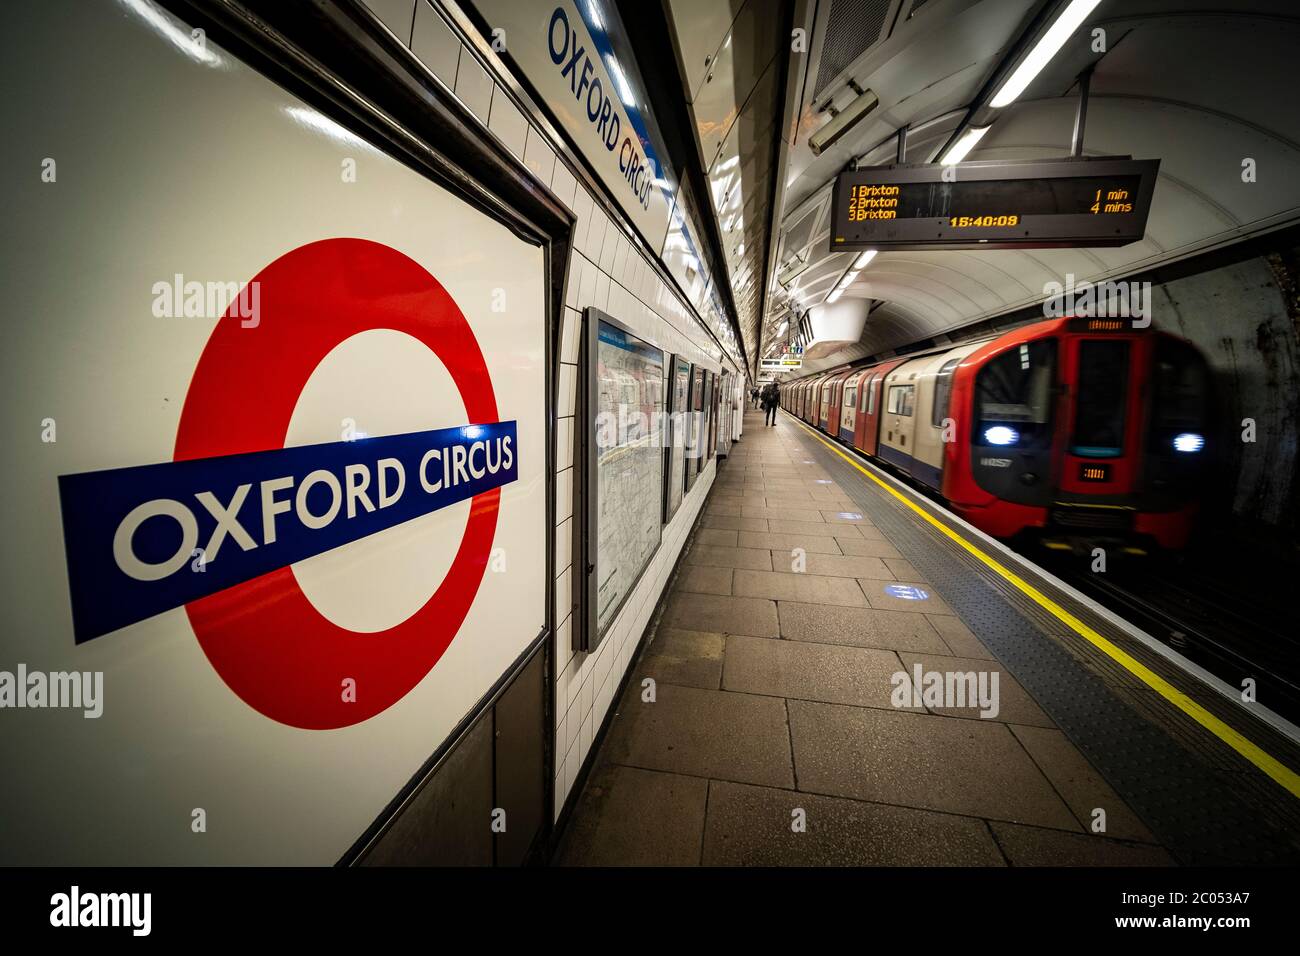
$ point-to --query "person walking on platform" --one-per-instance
(754, 395)
(771, 399)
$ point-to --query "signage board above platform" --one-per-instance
(1059, 203)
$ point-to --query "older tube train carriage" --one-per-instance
(1085, 429)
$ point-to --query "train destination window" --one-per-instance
(900, 399)
(1016, 386)
(1100, 406)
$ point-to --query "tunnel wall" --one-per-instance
(1242, 316)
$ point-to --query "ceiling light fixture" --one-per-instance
(1046, 48)
(958, 150)
(844, 120)
(862, 260)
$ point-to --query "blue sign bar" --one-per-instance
(145, 539)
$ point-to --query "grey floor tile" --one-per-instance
(705, 733)
(1032, 846)
(722, 506)
(813, 544)
(971, 767)
(805, 588)
(751, 558)
(716, 536)
(782, 514)
(903, 569)
(727, 615)
(1080, 785)
(632, 817)
(849, 566)
(690, 658)
(871, 547)
(958, 637)
(703, 579)
(818, 528)
(754, 826)
(861, 676)
(860, 627)
(733, 523)
(1014, 705)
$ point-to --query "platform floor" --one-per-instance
(773, 667)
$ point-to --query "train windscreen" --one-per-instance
(1016, 387)
(1102, 399)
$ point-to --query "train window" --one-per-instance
(900, 400)
(1102, 400)
(870, 406)
(1017, 385)
(942, 393)
(850, 396)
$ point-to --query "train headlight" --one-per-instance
(1189, 442)
(1001, 435)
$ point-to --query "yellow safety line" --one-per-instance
(1275, 769)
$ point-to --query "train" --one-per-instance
(1081, 431)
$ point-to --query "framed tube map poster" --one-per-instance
(628, 410)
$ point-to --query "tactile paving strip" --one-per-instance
(1191, 807)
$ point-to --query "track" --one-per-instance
(1235, 633)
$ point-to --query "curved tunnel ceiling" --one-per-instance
(1181, 81)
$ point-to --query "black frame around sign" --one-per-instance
(1036, 232)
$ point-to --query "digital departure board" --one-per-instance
(1072, 202)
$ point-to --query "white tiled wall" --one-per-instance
(607, 270)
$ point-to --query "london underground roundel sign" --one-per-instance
(217, 529)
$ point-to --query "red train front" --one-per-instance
(1087, 428)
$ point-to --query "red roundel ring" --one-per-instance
(265, 639)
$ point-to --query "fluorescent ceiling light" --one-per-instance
(784, 326)
(862, 260)
(957, 152)
(828, 135)
(1043, 51)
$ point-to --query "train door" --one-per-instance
(849, 405)
(934, 427)
(830, 403)
(865, 391)
(1098, 454)
(812, 399)
(898, 417)
(867, 431)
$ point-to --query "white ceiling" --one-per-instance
(1182, 81)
